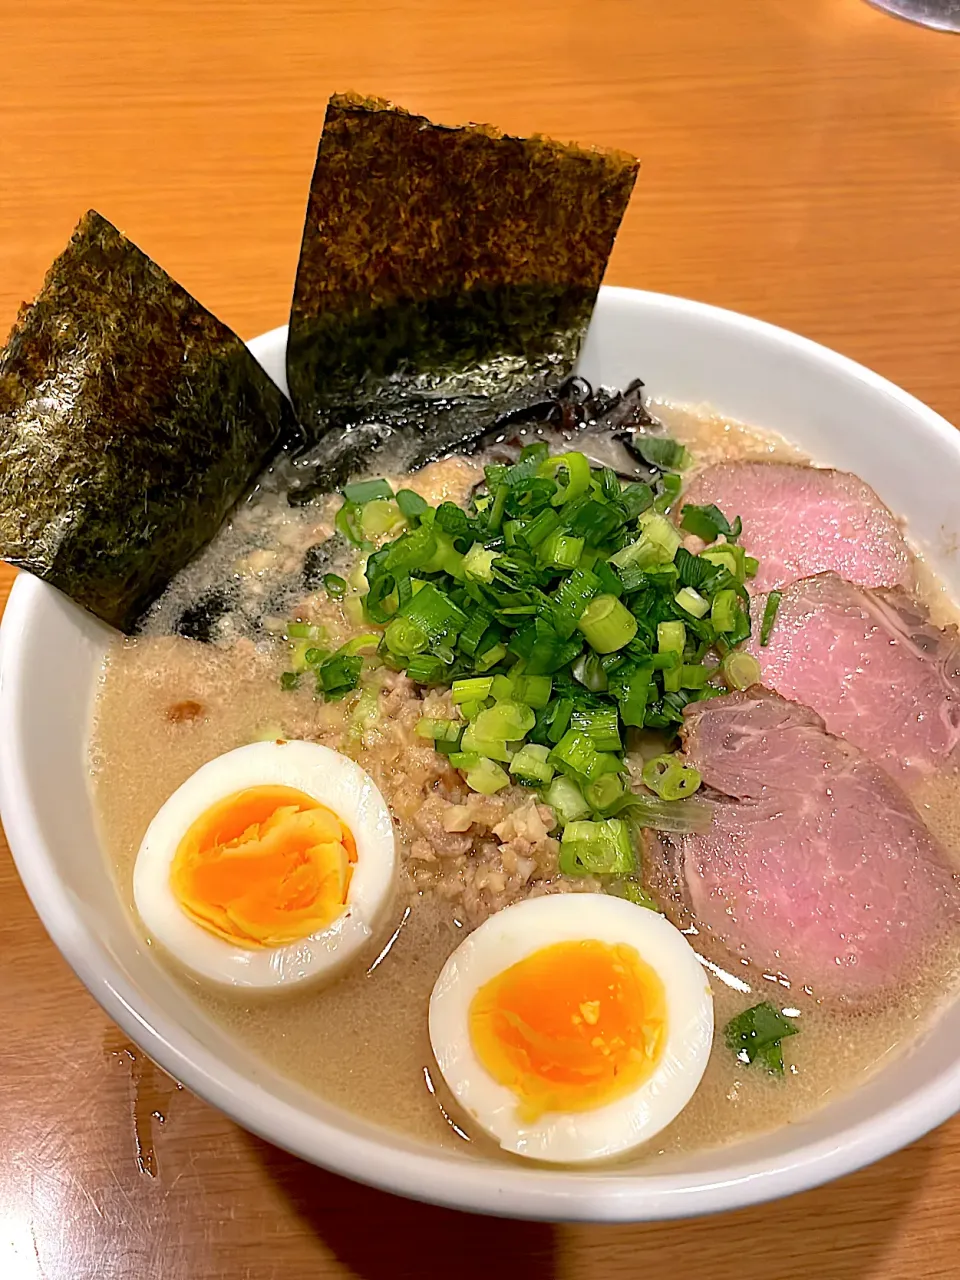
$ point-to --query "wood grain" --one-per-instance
(801, 162)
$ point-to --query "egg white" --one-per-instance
(333, 780)
(515, 933)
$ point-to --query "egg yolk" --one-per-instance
(264, 867)
(571, 1027)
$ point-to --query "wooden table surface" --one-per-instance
(801, 163)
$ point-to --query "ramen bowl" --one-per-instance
(50, 658)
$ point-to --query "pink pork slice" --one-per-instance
(799, 521)
(871, 664)
(816, 866)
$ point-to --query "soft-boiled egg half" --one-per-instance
(271, 865)
(572, 1027)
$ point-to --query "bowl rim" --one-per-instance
(442, 1178)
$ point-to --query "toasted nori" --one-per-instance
(199, 620)
(446, 278)
(131, 421)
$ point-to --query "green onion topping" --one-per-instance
(740, 670)
(757, 1035)
(770, 610)
(669, 778)
(562, 612)
(363, 491)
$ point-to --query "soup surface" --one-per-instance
(168, 704)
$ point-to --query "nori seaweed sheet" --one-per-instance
(131, 421)
(445, 282)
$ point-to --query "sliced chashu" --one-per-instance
(800, 520)
(816, 866)
(872, 665)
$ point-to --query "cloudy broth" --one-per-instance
(362, 1042)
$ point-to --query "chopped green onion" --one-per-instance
(478, 563)
(502, 689)
(289, 680)
(601, 724)
(607, 624)
(470, 710)
(379, 517)
(597, 848)
(671, 636)
(708, 522)
(726, 555)
(509, 721)
(354, 611)
(571, 598)
(668, 778)
(670, 487)
(424, 668)
(557, 626)
(589, 670)
(560, 551)
(770, 611)
(404, 638)
(486, 777)
(557, 718)
(566, 799)
(593, 520)
(446, 558)
(495, 748)
(694, 676)
(334, 585)
(751, 566)
(576, 754)
(543, 524)
(692, 602)
(610, 582)
(411, 504)
(304, 631)
(298, 654)
(575, 468)
(473, 633)
(362, 491)
(439, 730)
(530, 764)
(368, 640)
(339, 675)
(413, 551)
(604, 793)
(533, 691)
(449, 519)
(365, 713)
(636, 498)
(658, 531)
(470, 689)
(491, 657)
(725, 610)
(464, 760)
(661, 451)
(740, 670)
(643, 554)
(434, 611)
(636, 691)
(757, 1035)
(347, 523)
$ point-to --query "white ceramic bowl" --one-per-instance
(50, 654)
